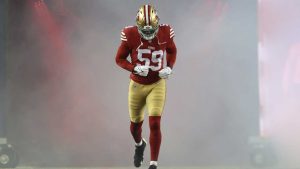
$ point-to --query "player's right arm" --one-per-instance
(121, 58)
(122, 54)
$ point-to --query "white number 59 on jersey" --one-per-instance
(156, 57)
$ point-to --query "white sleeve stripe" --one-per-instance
(123, 33)
(123, 39)
(172, 32)
(172, 36)
(171, 29)
(123, 36)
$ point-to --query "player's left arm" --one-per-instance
(171, 52)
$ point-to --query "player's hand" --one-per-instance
(141, 70)
(165, 72)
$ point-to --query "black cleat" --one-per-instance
(139, 154)
(152, 167)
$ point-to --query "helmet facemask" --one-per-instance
(148, 32)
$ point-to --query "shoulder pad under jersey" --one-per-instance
(168, 30)
(125, 32)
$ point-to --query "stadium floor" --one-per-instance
(145, 167)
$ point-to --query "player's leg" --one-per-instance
(136, 105)
(155, 103)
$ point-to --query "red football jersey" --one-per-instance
(146, 52)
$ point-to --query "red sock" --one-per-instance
(136, 131)
(155, 136)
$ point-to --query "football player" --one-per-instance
(149, 45)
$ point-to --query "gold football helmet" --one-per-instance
(147, 22)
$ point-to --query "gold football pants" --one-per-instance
(151, 96)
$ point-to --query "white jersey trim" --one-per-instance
(123, 36)
(172, 33)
